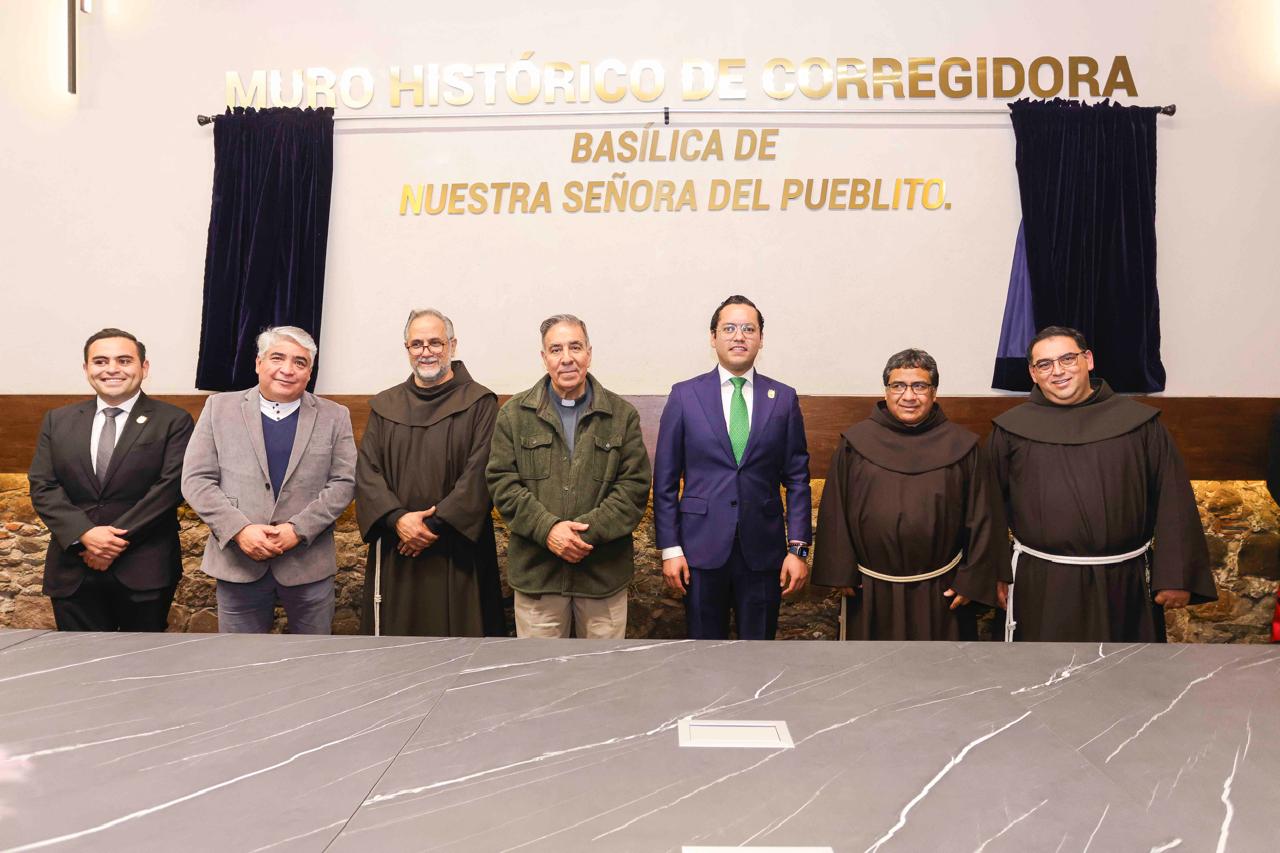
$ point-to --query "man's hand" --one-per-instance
(675, 571)
(1002, 595)
(565, 543)
(848, 591)
(98, 564)
(794, 574)
(957, 599)
(415, 536)
(284, 535)
(1173, 599)
(104, 542)
(258, 542)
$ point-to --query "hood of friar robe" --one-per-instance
(410, 405)
(888, 443)
(1104, 414)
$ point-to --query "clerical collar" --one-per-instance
(277, 411)
(125, 407)
(583, 400)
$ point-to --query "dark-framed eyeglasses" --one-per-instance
(435, 345)
(897, 389)
(1068, 359)
(749, 330)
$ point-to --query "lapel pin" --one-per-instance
(142, 419)
(772, 393)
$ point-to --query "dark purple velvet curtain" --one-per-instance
(268, 230)
(1087, 180)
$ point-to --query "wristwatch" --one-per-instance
(801, 551)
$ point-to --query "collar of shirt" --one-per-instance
(725, 376)
(277, 411)
(126, 407)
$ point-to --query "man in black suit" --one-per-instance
(106, 482)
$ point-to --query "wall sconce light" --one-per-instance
(86, 6)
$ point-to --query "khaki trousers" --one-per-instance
(552, 616)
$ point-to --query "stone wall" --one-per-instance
(1242, 523)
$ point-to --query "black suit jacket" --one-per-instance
(140, 494)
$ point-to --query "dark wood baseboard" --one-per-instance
(1221, 438)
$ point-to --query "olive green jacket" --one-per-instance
(535, 484)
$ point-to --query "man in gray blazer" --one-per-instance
(270, 470)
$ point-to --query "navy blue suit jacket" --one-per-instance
(722, 498)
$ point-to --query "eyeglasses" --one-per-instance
(897, 389)
(1069, 359)
(748, 330)
(435, 345)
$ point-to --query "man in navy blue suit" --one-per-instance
(735, 437)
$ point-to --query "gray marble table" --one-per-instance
(163, 742)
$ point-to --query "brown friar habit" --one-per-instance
(1094, 479)
(901, 501)
(426, 447)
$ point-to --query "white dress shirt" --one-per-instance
(726, 392)
(277, 411)
(726, 399)
(100, 420)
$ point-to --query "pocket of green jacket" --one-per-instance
(534, 459)
(608, 456)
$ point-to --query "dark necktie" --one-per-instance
(107, 442)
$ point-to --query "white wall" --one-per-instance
(104, 196)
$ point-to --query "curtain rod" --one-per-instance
(667, 112)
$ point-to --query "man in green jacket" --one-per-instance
(569, 473)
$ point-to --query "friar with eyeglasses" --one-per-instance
(1106, 531)
(421, 498)
(910, 527)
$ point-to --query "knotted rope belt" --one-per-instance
(923, 576)
(1018, 549)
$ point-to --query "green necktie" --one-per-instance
(739, 429)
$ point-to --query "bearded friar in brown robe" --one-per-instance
(1106, 531)
(421, 498)
(910, 526)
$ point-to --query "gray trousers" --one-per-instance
(249, 608)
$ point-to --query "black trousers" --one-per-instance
(102, 603)
(754, 598)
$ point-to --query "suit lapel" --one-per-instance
(82, 435)
(301, 437)
(251, 408)
(763, 399)
(132, 429)
(708, 393)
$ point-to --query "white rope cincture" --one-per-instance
(1010, 624)
(923, 576)
(844, 617)
(377, 587)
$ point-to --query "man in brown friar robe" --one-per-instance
(421, 498)
(1091, 481)
(910, 527)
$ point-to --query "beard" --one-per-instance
(428, 376)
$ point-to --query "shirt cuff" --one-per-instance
(673, 551)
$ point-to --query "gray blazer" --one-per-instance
(225, 480)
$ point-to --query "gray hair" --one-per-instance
(428, 312)
(910, 359)
(270, 336)
(556, 319)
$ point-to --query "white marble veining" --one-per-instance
(147, 742)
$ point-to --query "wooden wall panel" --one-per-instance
(1222, 438)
